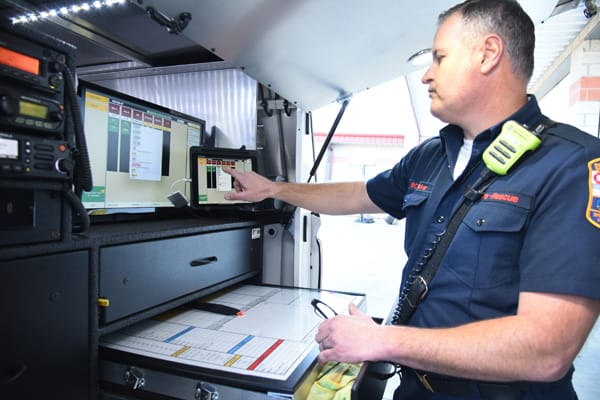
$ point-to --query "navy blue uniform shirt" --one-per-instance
(536, 229)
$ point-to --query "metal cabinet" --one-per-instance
(44, 335)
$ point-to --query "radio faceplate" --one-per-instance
(26, 157)
(39, 114)
(32, 91)
(31, 64)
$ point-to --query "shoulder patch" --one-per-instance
(593, 208)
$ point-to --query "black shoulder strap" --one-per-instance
(417, 285)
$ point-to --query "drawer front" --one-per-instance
(139, 276)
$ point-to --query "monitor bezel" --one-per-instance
(84, 86)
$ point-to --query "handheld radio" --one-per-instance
(513, 141)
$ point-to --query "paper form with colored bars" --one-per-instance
(272, 337)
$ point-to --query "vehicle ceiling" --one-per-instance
(311, 52)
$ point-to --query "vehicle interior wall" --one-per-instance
(224, 98)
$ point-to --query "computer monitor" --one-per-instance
(138, 150)
(209, 182)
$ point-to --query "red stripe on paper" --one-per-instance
(265, 355)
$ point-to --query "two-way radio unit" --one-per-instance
(40, 149)
(34, 141)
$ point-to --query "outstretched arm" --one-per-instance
(327, 198)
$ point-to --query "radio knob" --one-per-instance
(9, 105)
(56, 116)
(64, 165)
(55, 80)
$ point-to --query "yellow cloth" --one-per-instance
(334, 381)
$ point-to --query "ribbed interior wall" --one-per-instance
(225, 99)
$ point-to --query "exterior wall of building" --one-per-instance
(584, 94)
(359, 159)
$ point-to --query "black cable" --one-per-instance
(79, 211)
(83, 170)
(82, 173)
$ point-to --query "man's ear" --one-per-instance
(492, 49)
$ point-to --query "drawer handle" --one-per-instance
(203, 261)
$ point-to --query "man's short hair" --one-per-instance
(505, 18)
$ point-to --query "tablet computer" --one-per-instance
(209, 182)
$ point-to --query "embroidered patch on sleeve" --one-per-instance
(593, 208)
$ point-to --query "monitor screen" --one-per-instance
(209, 181)
(138, 150)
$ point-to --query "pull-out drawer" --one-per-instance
(135, 277)
(267, 353)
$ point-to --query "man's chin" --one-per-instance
(435, 111)
(438, 114)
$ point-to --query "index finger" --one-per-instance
(231, 172)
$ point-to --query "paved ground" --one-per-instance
(368, 258)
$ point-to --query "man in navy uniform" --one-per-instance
(516, 293)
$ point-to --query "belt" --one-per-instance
(486, 390)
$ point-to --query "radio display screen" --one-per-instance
(9, 148)
(32, 109)
(19, 61)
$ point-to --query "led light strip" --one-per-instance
(64, 11)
